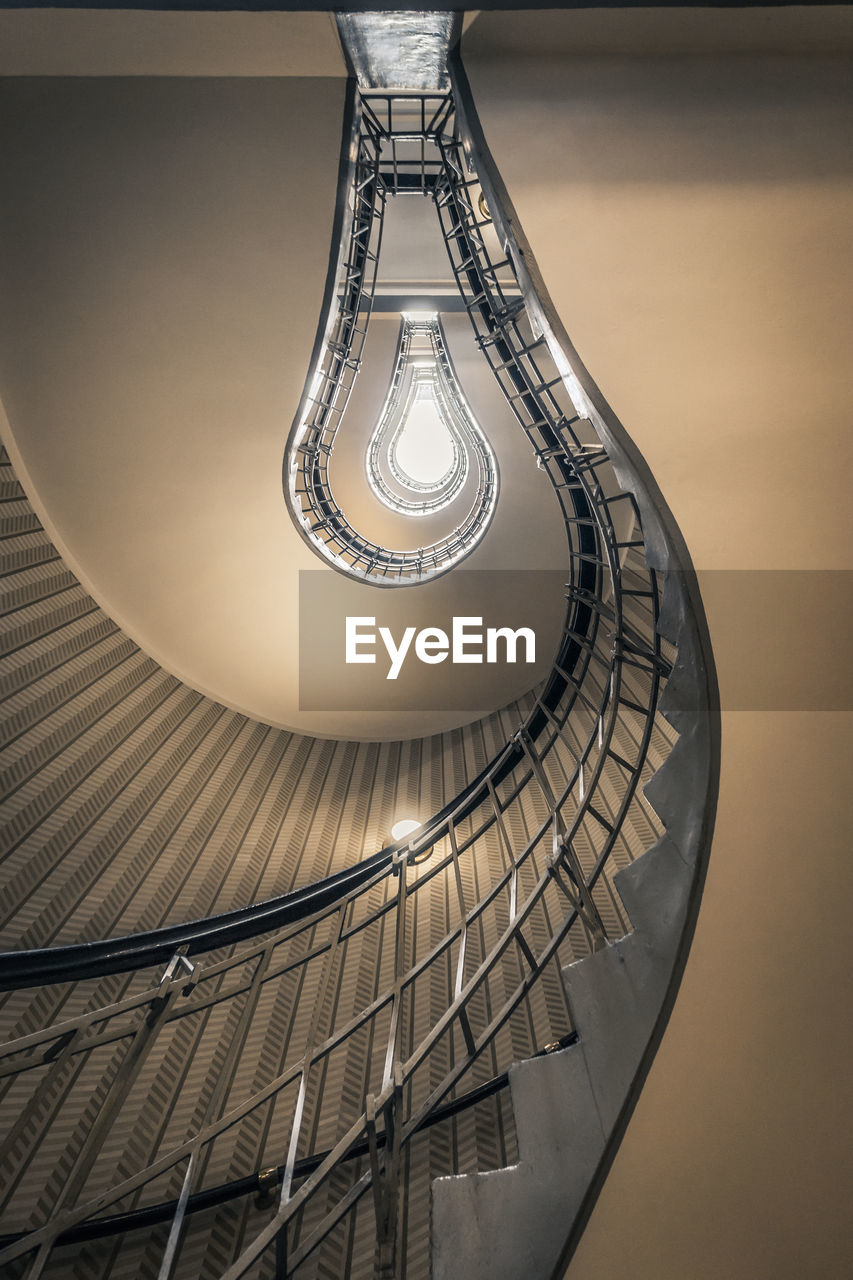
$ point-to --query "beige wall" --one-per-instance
(737, 1160)
(156, 327)
(690, 216)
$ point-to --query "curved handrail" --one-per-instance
(372, 176)
(424, 498)
(544, 823)
(83, 960)
(75, 962)
(687, 785)
(264, 1181)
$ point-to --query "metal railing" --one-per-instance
(412, 981)
(557, 778)
(422, 358)
(398, 140)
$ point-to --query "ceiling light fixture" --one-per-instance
(404, 828)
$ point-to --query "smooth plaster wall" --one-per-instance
(166, 243)
(691, 218)
(139, 42)
(151, 352)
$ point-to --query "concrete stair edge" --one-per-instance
(515, 1222)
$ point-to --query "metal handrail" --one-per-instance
(21, 969)
(376, 133)
(553, 811)
(263, 1181)
(421, 498)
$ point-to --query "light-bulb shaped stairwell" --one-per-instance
(309, 1028)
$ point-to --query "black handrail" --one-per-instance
(19, 969)
(77, 961)
(265, 1179)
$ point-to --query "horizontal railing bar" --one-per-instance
(503, 328)
(153, 1215)
(51, 965)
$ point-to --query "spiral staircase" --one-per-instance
(411, 1062)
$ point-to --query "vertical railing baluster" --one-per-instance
(171, 1251)
(308, 1059)
(197, 1161)
(137, 1051)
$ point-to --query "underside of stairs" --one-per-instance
(571, 1106)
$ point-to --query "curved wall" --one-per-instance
(690, 215)
(164, 245)
(134, 801)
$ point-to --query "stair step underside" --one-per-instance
(517, 1222)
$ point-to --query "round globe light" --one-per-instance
(404, 828)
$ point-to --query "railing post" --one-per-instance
(575, 886)
(385, 1177)
(140, 1046)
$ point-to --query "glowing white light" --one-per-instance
(404, 828)
(424, 447)
(427, 439)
